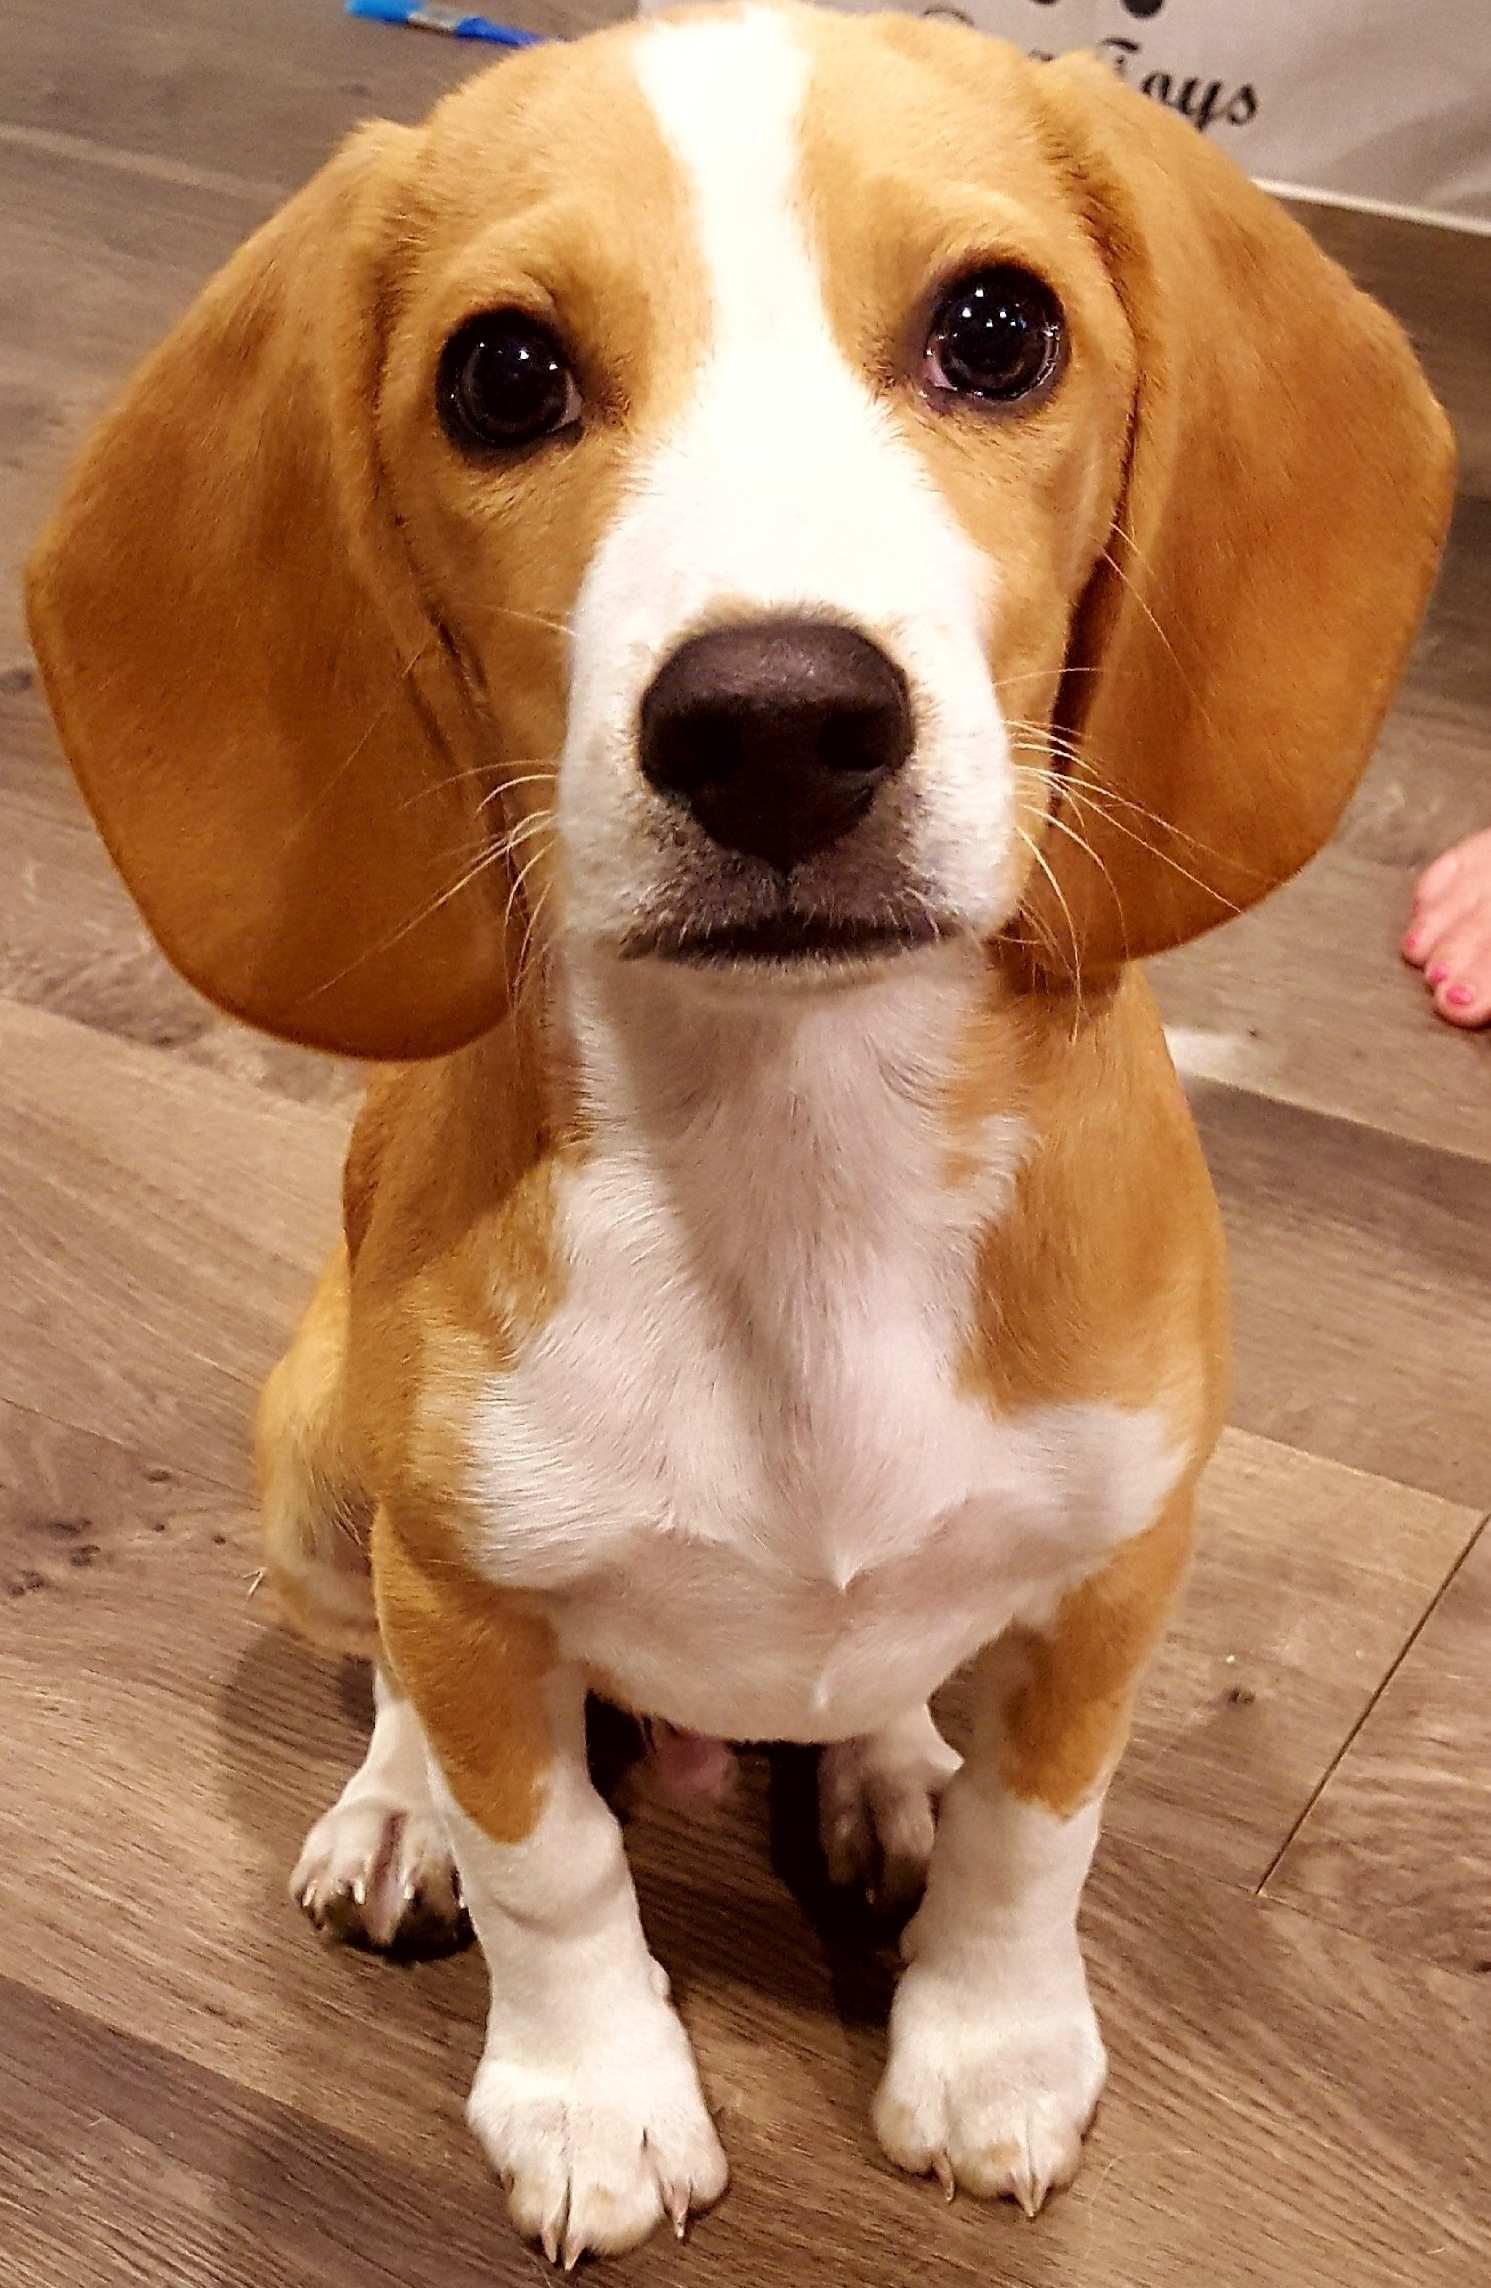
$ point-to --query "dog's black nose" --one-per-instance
(776, 733)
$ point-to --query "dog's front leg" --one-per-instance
(587, 2098)
(996, 2063)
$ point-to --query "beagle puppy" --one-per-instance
(703, 608)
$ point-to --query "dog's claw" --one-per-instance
(942, 2170)
(381, 1877)
(1030, 2194)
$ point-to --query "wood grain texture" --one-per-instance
(95, 265)
(1426, 785)
(1309, 1580)
(1307, 1000)
(195, 2093)
(260, 94)
(1395, 1849)
(121, 2162)
(159, 1226)
(1437, 283)
(1361, 1272)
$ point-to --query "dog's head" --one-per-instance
(792, 488)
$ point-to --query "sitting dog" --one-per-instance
(703, 608)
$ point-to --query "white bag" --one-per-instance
(1385, 101)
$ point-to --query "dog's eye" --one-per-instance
(997, 335)
(504, 381)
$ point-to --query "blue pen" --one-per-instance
(445, 20)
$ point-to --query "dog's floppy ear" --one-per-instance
(1288, 485)
(273, 736)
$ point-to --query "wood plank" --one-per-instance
(121, 2162)
(1450, 668)
(1429, 783)
(147, 1756)
(1361, 1272)
(95, 266)
(1437, 283)
(1306, 999)
(1427, 787)
(1398, 1847)
(1309, 1581)
(160, 1227)
(178, 1748)
(261, 94)
(126, 2162)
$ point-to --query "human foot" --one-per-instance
(1449, 936)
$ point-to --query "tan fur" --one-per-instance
(965, 176)
(315, 1515)
(473, 1661)
(1064, 1724)
(297, 649)
(1107, 1278)
(1254, 434)
(450, 1269)
(272, 590)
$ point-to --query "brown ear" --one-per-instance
(1289, 483)
(271, 733)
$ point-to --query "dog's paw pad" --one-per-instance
(877, 1812)
(373, 1874)
(997, 2107)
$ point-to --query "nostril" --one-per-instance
(865, 742)
(690, 749)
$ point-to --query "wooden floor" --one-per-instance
(1290, 1923)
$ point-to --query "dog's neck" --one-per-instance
(797, 1133)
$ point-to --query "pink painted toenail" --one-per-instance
(1460, 996)
(1436, 973)
(1413, 941)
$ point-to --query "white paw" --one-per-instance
(380, 1871)
(596, 2155)
(877, 1808)
(994, 2099)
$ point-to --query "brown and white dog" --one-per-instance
(705, 605)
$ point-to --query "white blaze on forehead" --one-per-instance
(728, 97)
(783, 487)
(822, 501)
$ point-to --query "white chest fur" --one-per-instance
(740, 1456)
